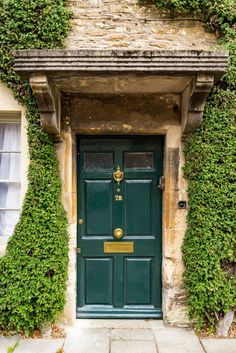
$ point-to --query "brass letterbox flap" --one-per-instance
(118, 247)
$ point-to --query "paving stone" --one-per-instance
(133, 347)
(6, 342)
(174, 340)
(83, 340)
(132, 334)
(221, 345)
(40, 345)
(156, 324)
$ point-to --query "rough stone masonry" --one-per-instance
(108, 24)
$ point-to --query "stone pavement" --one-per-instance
(121, 336)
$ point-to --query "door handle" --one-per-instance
(118, 233)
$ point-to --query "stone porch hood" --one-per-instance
(191, 74)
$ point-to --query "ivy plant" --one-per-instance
(209, 247)
(34, 267)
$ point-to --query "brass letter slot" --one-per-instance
(115, 247)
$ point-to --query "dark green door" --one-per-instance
(119, 275)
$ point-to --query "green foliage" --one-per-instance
(34, 268)
(210, 243)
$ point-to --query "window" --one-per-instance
(9, 177)
(98, 160)
(139, 160)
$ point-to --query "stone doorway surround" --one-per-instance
(121, 92)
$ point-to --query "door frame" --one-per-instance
(173, 219)
(114, 313)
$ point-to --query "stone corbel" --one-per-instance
(193, 102)
(48, 104)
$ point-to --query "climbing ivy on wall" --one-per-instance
(210, 241)
(33, 271)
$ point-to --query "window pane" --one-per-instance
(9, 137)
(139, 160)
(10, 195)
(8, 220)
(98, 160)
(10, 166)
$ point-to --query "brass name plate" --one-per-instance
(115, 247)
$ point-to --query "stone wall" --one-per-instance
(107, 24)
(123, 114)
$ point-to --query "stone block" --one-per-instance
(219, 345)
(173, 340)
(7, 342)
(133, 346)
(39, 345)
(132, 335)
(87, 340)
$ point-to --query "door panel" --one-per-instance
(98, 279)
(138, 207)
(98, 201)
(112, 283)
(138, 281)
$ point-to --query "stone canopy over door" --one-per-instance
(128, 93)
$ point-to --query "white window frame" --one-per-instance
(7, 117)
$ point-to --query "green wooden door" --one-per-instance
(119, 277)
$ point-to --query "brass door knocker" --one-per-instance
(118, 175)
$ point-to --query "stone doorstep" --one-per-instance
(119, 324)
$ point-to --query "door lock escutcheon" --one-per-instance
(118, 233)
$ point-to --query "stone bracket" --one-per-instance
(193, 102)
(48, 103)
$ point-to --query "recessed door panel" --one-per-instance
(138, 281)
(98, 279)
(138, 207)
(98, 207)
(119, 228)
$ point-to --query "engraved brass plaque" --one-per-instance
(115, 247)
